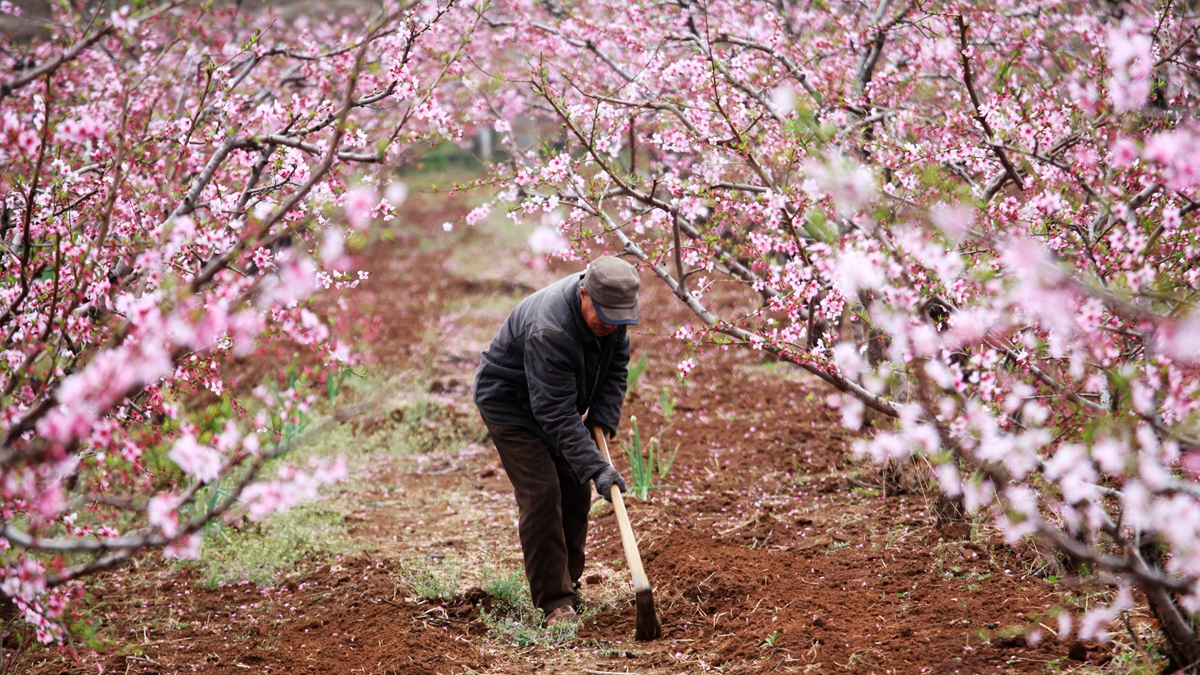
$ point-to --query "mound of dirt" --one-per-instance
(345, 616)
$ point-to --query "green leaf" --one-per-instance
(816, 224)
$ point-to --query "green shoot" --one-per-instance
(664, 462)
(636, 371)
(644, 462)
(667, 402)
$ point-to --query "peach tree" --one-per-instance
(974, 221)
(176, 183)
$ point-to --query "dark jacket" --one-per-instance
(545, 368)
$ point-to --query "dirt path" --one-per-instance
(772, 550)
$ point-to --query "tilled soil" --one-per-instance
(771, 548)
(345, 617)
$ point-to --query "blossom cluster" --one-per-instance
(173, 181)
(975, 221)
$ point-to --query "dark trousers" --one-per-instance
(554, 511)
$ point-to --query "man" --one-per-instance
(563, 352)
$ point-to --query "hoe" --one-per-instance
(648, 626)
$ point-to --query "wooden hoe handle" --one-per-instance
(632, 557)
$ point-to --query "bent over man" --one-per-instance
(563, 352)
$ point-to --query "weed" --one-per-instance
(605, 650)
(770, 641)
(507, 587)
(833, 547)
(513, 619)
(636, 371)
(643, 466)
(667, 402)
(526, 629)
(430, 581)
(641, 471)
(665, 462)
(284, 542)
(422, 423)
(288, 420)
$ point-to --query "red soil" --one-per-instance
(773, 550)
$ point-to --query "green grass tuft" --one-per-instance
(287, 543)
(508, 587)
(646, 461)
(523, 628)
(432, 579)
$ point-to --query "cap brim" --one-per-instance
(617, 317)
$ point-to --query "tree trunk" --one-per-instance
(1182, 642)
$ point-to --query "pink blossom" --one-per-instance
(359, 203)
(130, 451)
(80, 130)
(1124, 152)
(332, 245)
(1064, 626)
(851, 186)
(1190, 463)
(1131, 59)
(1110, 454)
(161, 512)
(104, 381)
(1164, 148)
(244, 328)
(685, 367)
(1183, 339)
(976, 494)
(295, 281)
(857, 271)
(478, 213)
(948, 479)
(783, 100)
(545, 240)
(291, 488)
(198, 461)
(252, 445)
(1094, 622)
(110, 323)
(848, 359)
(852, 412)
(122, 21)
(186, 547)
(396, 193)
(263, 209)
(955, 221)
(28, 141)
(229, 437)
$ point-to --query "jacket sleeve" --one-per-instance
(605, 409)
(552, 396)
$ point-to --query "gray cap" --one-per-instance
(613, 284)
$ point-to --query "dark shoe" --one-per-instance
(563, 615)
(581, 603)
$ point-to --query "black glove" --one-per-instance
(608, 477)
